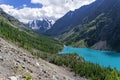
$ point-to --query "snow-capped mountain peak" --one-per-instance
(41, 25)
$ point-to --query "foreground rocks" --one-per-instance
(17, 64)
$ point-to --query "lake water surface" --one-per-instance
(103, 58)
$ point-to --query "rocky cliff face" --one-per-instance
(17, 64)
(40, 26)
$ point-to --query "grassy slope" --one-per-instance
(27, 39)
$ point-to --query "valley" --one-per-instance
(93, 26)
(84, 44)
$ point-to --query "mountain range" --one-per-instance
(22, 49)
(40, 26)
(95, 26)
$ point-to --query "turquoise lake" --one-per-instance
(103, 58)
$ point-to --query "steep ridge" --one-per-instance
(80, 16)
(11, 19)
(73, 18)
(98, 30)
(101, 33)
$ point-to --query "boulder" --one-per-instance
(13, 78)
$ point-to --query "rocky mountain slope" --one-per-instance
(97, 26)
(73, 18)
(101, 33)
(40, 26)
(80, 16)
(18, 64)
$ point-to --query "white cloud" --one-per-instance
(52, 9)
(64, 4)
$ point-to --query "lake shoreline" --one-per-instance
(103, 58)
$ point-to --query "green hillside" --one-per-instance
(27, 39)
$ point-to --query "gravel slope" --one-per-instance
(16, 64)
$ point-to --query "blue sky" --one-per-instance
(28, 10)
(19, 3)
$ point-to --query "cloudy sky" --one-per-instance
(28, 10)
